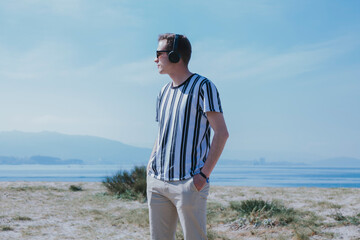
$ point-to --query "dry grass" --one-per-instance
(54, 211)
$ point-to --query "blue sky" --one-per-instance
(287, 71)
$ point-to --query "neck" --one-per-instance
(180, 76)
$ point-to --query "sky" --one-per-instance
(288, 72)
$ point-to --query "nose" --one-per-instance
(156, 59)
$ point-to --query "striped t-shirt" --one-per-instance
(183, 140)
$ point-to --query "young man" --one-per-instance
(183, 157)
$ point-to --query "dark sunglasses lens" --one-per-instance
(158, 53)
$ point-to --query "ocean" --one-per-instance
(240, 175)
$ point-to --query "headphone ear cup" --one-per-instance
(174, 57)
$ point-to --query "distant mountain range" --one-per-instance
(340, 162)
(55, 148)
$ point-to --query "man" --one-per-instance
(183, 157)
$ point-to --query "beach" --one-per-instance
(51, 210)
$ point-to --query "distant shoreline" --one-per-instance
(223, 175)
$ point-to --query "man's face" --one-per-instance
(162, 60)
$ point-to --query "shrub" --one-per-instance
(128, 185)
(257, 210)
(251, 206)
(75, 188)
(347, 220)
(22, 218)
(6, 228)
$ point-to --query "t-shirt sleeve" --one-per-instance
(210, 98)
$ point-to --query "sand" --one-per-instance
(49, 210)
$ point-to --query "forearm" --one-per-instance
(216, 148)
(151, 155)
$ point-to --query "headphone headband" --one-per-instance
(176, 42)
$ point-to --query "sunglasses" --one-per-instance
(158, 53)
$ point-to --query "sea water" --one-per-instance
(240, 175)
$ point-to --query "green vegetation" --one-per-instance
(75, 188)
(6, 228)
(128, 185)
(347, 220)
(35, 188)
(22, 218)
(260, 212)
(324, 204)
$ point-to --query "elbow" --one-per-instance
(224, 134)
(221, 133)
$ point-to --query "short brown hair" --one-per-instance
(183, 48)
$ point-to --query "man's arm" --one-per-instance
(221, 134)
(152, 154)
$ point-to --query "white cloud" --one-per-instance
(42, 89)
(39, 64)
(245, 64)
(51, 62)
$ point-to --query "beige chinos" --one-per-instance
(169, 201)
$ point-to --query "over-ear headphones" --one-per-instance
(174, 55)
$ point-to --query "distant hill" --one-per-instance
(345, 162)
(55, 148)
(340, 162)
(270, 156)
(258, 162)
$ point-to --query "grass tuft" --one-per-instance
(128, 185)
(22, 218)
(301, 234)
(75, 188)
(346, 220)
(260, 212)
(324, 204)
(6, 228)
(35, 188)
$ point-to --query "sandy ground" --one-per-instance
(48, 210)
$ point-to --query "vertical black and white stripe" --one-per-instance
(184, 132)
